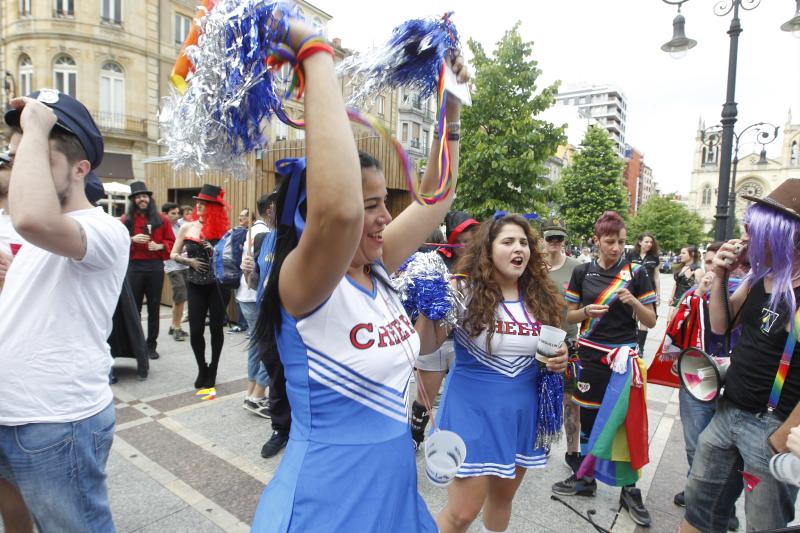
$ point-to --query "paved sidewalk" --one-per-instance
(180, 464)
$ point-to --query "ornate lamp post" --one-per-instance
(680, 44)
(764, 133)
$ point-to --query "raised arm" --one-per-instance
(335, 210)
(409, 230)
(719, 317)
(32, 198)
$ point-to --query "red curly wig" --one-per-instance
(215, 221)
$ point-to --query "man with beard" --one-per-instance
(151, 243)
(57, 416)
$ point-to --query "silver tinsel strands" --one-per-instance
(196, 126)
(424, 287)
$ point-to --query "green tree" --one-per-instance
(672, 223)
(592, 184)
(503, 147)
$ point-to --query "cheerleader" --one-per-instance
(491, 394)
(346, 344)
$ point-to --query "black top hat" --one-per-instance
(139, 187)
(785, 198)
(211, 193)
(73, 117)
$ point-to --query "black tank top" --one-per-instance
(682, 283)
(195, 250)
(755, 358)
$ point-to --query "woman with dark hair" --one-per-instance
(645, 252)
(687, 276)
(607, 296)
(205, 295)
(491, 395)
(346, 344)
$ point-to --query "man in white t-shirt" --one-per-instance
(57, 415)
(257, 379)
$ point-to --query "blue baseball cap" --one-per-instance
(73, 117)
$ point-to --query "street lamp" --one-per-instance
(729, 110)
(793, 24)
(764, 133)
(679, 44)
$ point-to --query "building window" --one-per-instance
(63, 8)
(794, 154)
(300, 134)
(112, 96)
(380, 105)
(65, 75)
(281, 131)
(25, 75)
(24, 10)
(425, 136)
(182, 26)
(404, 136)
(707, 195)
(710, 156)
(111, 11)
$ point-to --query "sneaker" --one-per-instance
(153, 354)
(236, 329)
(259, 407)
(679, 500)
(179, 335)
(275, 444)
(733, 523)
(573, 460)
(631, 499)
(171, 330)
(575, 487)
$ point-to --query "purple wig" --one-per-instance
(773, 249)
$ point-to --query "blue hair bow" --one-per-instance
(527, 216)
(293, 168)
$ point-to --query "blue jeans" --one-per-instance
(695, 417)
(60, 470)
(255, 368)
(736, 441)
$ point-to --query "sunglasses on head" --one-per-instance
(554, 238)
(6, 159)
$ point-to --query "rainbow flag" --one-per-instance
(618, 446)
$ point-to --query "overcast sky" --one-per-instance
(618, 42)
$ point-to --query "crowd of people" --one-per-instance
(333, 349)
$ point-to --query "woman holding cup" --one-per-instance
(491, 395)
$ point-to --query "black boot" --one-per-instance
(419, 419)
(642, 339)
(211, 375)
(202, 376)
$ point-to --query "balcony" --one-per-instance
(121, 124)
(63, 13)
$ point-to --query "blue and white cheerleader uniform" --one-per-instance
(349, 464)
(490, 400)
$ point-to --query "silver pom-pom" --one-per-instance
(424, 287)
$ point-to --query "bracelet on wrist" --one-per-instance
(586, 311)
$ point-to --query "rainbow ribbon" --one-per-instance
(786, 361)
(282, 53)
(608, 297)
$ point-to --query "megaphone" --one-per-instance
(702, 375)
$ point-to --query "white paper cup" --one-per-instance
(445, 452)
(550, 340)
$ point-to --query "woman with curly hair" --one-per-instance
(491, 395)
(197, 238)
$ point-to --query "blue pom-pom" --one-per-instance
(550, 411)
(433, 297)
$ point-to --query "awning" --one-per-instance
(117, 188)
(117, 166)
